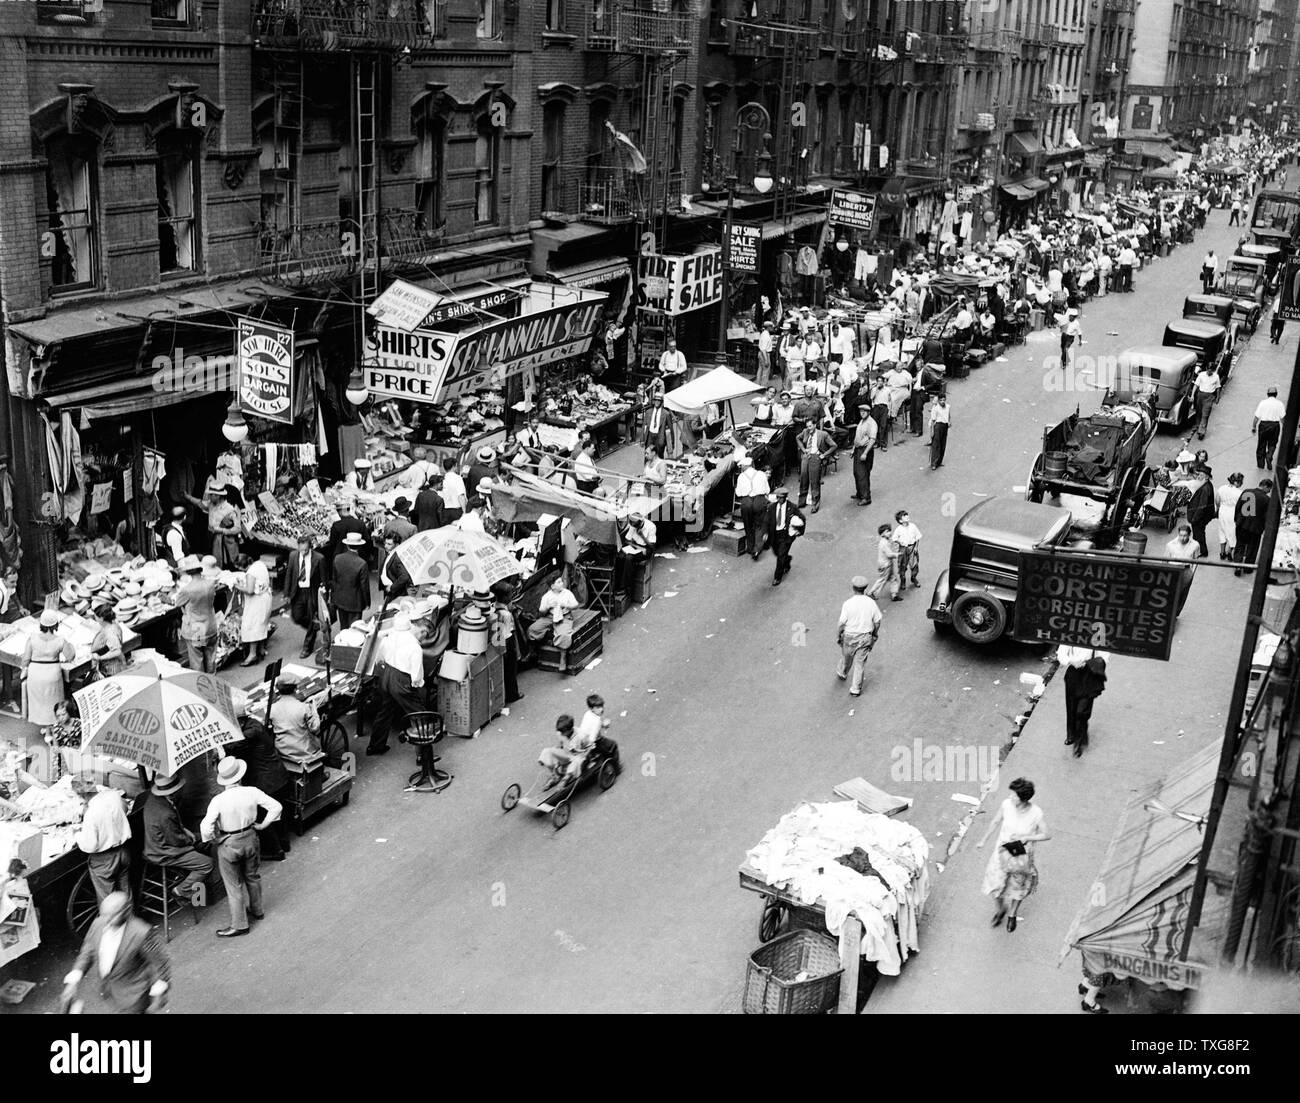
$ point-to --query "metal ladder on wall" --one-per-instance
(797, 49)
(365, 140)
(288, 100)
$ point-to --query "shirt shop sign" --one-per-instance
(1123, 606)
(264, 355)
(743, 242)
(678, 285)
(430, 366)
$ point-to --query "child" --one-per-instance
(886, 566)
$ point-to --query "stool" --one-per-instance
(600, 589)
(423, 731)
(157, 898)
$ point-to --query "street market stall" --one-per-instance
(1132, 927)
(860, 876)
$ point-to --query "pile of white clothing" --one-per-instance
(799, 856)
(55, 804)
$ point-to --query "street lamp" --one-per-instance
(356, 391)
(751, 118)
(234, 428)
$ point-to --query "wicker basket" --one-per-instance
(770, 985)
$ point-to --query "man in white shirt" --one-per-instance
(454, 496)
(907, 538)
(859, 628)
(672, 365)
(766, 343)
(635, 551)
(1209, 269)
(231, 821)
(103, 836)
(177, 543)
(752, 489)
(1206, 395)
(940, 418)
(399, 674)
(864, 454)
(1268, 425)
(1126, 261)
(1183, 546)
(841, 346)
(962, 323)
(555, 618)
(134, 973)
(783, 410)
(472, 519)
(1070, 334)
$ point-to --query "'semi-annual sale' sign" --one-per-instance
(1124, 606)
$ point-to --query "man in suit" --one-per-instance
(658, 433)
(394, 579)
(429, 508)
(815, 444)
(302, 580)
(347, 523)
(1251, 516)
(134, 973)
(399, 521)
(784, 523)
(351, 591)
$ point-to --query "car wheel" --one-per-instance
(510, 797)
(979, 617)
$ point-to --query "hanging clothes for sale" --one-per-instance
(806, 261)
(967, 221)
(948, 219)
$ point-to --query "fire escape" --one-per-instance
(298, 44)
(924, 64)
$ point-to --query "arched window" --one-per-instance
(429, 185)
(552, 155)
(70, 239)
(177, 178)
(487, 151)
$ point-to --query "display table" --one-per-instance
(604, 427)
(698, 503)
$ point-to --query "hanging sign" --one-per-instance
(100, 497)
(1124, 606)
(852, 209)
(1289, 292)
(432, 366)
(689, 283)
(742, 246)
(264, 357)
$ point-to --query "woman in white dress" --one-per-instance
(1225, 500)
(254, 625)
(1009, 882)
(42, 670)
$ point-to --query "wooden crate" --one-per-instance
(588, 642)
(467, 705)
(729, 541)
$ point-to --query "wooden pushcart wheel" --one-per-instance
(83, 905)
(560, 815)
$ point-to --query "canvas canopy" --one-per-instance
(528, 497)
(719, 385)
(1136, 916)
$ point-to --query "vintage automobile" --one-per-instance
(1162, 376)
(976, 595)
(1240, 314)
(1211, 341)
(1272, 256)
(1244, 278)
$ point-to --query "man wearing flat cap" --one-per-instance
(294, 723)
(859, 627)
(784, 524)
(864, 454)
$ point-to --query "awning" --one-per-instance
(1156, 151)
(719, 385)
(775, 228)
(1023, 144)
(1134, 922)
(528, 498)
(593, 274)
(1027, 188)
(125, 314)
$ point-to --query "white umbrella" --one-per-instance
(451, 557)
(158, 721)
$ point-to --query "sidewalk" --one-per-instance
(1151, 718)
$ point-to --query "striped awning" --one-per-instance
(593, 274)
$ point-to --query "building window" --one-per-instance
(712, 168)
(821, 136)
(679, 126)
(489, 19)
(69, 240)
(435, 17)
(552, 156)
(555, 15)
(277, 174)
(597, 138)
(429, 185)
(177, 186)
(486, 150)
(170, 13)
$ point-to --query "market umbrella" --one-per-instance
(451, 557)
(159, 721)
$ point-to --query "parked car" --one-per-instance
(1242, 314)
(1211, 341)
(1244, 278)
(976, 595)
(1164, 377)
(1272, 256)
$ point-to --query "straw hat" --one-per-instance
(487, 454)
(354, 540)
(94, 583)
(49, 618)
(401, 623)
(164, 785)
(190, 563)
(362, 462)
(485, 486)
(230, 770)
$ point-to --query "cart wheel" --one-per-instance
(510, 797)
(334, 742)
(1171, 520)
(773, 919)
(560, 815)
(1033, 492)
(83, 905)
(608, 774)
